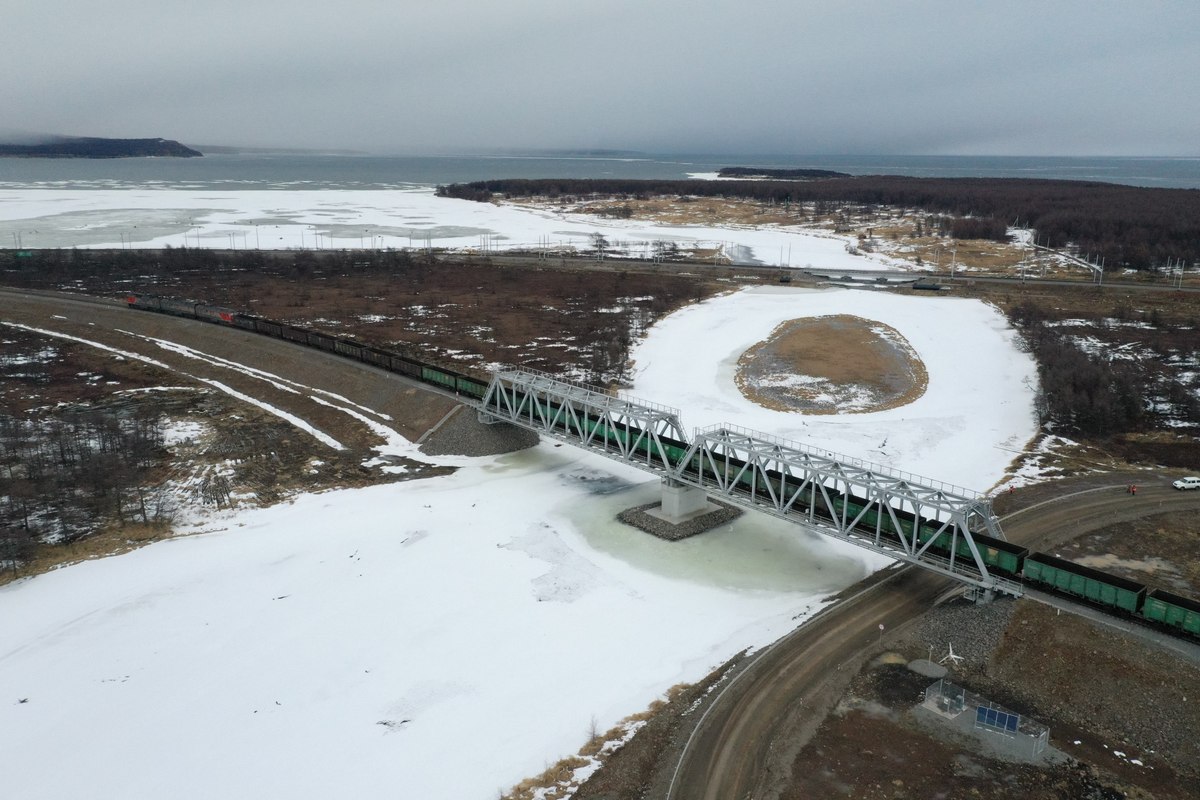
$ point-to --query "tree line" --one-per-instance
(1126, 226)
(96, 147)
(771, 172)
(1082, 393)
(65, 476)
(67, 267)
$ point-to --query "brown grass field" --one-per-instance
(849, 356)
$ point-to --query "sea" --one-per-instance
(250, 171)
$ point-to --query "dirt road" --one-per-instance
(1088, 504)
(745, 742)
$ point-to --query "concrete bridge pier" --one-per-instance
(681, 502)
(684, 511)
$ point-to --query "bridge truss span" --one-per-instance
(922, 521)
(898, 514)
(639, 432)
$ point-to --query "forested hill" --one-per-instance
(771, 172)
(95, 147)
(1127, 226)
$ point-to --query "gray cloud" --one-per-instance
(757, 76)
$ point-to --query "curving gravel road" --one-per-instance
(743, 745)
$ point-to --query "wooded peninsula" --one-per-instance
(97, 147)
(1123, 226)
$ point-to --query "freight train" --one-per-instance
(1005, 559)
(384, 359)
(1054, 575)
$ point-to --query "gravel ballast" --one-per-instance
(656, 526)
(462, 434)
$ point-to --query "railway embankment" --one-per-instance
(462, 434)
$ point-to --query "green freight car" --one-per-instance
(470, 387)
(1171, 609)
(996, 553)
(431, 375)
(1091, 584)
(870, 520)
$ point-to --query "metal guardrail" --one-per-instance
(870, 466)
(593, 393)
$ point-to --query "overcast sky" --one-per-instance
(754, 76)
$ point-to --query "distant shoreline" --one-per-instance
(319, 169)
(787, 174)
(97, 147)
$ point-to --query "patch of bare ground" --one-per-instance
(236, 453)
(906, 234)
(877, 752)
(267, 460)
(1109, 702)
(607, 752)
(1154, 335)
(1052, 459)
(463, 311)
(110, 541)
(678, 210)
(832, 365)
(554, 782)
(564, 778)
(37, 372)
(1178, 310)
(907, 239)
(1162, 550)
(642, 767)
(1166, 448)
(1111, 693)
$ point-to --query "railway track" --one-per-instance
(770, 272)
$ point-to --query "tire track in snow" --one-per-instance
(320, 436)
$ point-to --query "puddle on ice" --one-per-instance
(754, 552)
(596, 481)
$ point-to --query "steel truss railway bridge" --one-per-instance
(906, 517)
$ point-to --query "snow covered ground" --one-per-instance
(970, 423)
(275, 220)
(446, 638)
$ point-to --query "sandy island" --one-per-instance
(839, 364)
